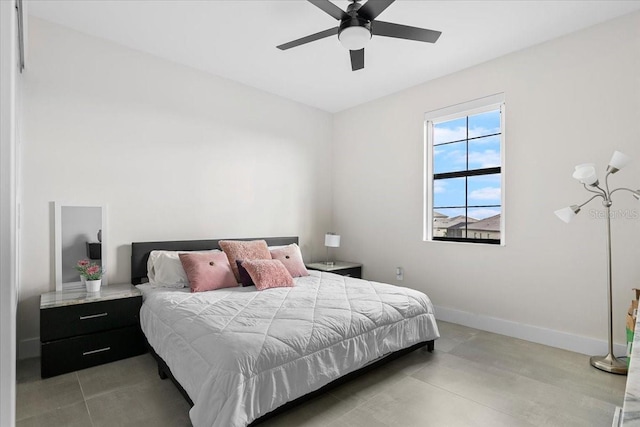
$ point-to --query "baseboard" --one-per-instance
(550, 337)
(28, 348)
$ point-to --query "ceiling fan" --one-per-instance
(358, 24)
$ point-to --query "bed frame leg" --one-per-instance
(430, 345)
(161, 373)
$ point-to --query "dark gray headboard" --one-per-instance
(140, 251)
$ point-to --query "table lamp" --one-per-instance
(331, 240)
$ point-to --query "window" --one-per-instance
(464, 156)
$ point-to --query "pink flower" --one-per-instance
(93, 269)
(82, 265)
(89, 270)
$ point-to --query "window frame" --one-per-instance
(470, 108)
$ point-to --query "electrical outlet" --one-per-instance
(399, 273)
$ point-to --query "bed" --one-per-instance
(240, 355)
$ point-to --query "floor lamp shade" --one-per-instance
(566, 214)
(619, 160)
(586, 174)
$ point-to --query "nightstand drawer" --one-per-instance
(70, 354)
(350, 269)
(81, 319)
(350, 272)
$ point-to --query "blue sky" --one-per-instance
(451, 156)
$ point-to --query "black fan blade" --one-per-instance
(311, 38)
(372, 8)
(330, 8)
(381, 28)
(357, 59)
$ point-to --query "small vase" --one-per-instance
(93, 285)
(83, 280)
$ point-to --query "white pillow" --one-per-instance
(165, 269)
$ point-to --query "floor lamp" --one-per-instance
(586, 174)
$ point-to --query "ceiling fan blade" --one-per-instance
(307, 39)
(388, 29)
(357, 59)
(372, 8)
(329, 8)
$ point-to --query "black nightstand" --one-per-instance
(350, 269)
(80, 329)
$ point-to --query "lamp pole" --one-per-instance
(609, 363)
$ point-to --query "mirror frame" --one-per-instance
(57, 215)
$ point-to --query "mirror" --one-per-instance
(80, 233)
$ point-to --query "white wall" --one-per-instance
(568, 101)
(174, 153)
(178, 154)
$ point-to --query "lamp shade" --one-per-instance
(354, 37)
(332, 240)
(586, 174)
(619, 160)
(568, 213)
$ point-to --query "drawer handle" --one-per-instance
(93, 316)
(100, 350)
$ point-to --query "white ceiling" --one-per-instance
(238, 39)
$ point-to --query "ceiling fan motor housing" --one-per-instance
(354, 21)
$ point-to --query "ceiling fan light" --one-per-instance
(355, 37)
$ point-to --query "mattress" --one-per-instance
(240, 353)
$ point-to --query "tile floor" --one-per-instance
(473, 378)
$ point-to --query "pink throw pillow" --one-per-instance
(268, 273)
(238, 250)
(291, 257)
(207, 271)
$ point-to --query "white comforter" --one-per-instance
(240, 353)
